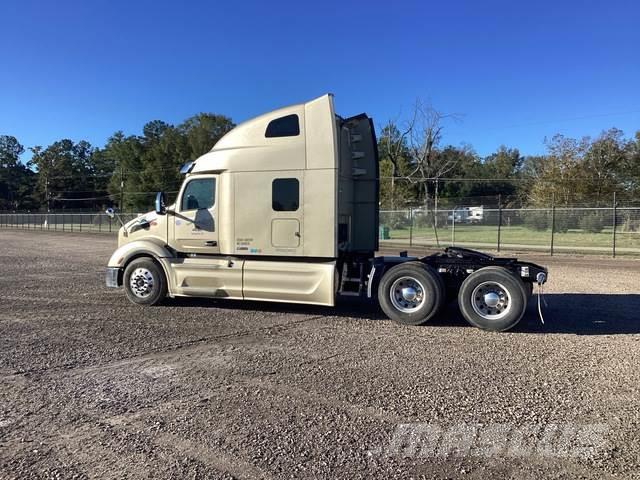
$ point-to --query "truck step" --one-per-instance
(350, 294)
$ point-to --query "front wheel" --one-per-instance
(145, 282)
(492, 298)
(411, 293)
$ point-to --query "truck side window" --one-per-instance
(287, 126)
(198, 194)
(285, 194)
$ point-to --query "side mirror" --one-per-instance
(111, 213)
(161, 204)
(186, 168)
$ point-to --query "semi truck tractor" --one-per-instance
(284, 208)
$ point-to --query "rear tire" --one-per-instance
(411, 293)
(145, 282)
(493, 298)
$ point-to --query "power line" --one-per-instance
(465, 179)
(110, 196)
(561, 120)
(81, 199)
(93, 191)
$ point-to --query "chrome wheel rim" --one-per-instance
(141, 282)
(491, 300)
(407, 294)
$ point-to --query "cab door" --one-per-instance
(195, 233)
(195, 228)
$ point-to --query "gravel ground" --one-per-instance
(95, 387)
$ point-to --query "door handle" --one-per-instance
(211, 243)
(297, 234)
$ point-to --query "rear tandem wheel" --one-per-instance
(493, 298)
(411, 293)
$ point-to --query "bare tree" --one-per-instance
(417, 142)
(393, 144)
(424, 135)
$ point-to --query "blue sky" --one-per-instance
(514, 71)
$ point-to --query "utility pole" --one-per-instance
(121, 188)
(499, 218)
(46, 191)
(615, 222)
(435, 214)
(553, 219)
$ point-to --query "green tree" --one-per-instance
(467, 167)
(631, 168)
(556, 175)
(65, 175)
(16, 180)
(505, 168)
(162, 159)
(395, 189)
(203, 131)
(601, 167)
(125, 156)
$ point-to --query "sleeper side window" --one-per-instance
(285, 194)
(198, 194)
(287, 126)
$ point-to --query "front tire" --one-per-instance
(411, 293)
(145, 282)
(492, 298)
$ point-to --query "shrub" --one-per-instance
(564, 221)
(537, 220)
(631, 225)
(397, 220)
(592, 223)
(421, 220)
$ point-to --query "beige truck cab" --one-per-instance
(263, 216)
(284, 208)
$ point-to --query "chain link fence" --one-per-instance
(65, 222)
(613, 230)
(605, 230)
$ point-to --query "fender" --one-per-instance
(138, 248)
(379, 266)
(128, 251)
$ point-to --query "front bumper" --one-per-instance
(112, 277)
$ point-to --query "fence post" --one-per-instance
(615, 222)
(553, 220)
(410, 226)
(499, 219)
(453, 228)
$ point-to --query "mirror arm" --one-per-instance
(119, 219)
